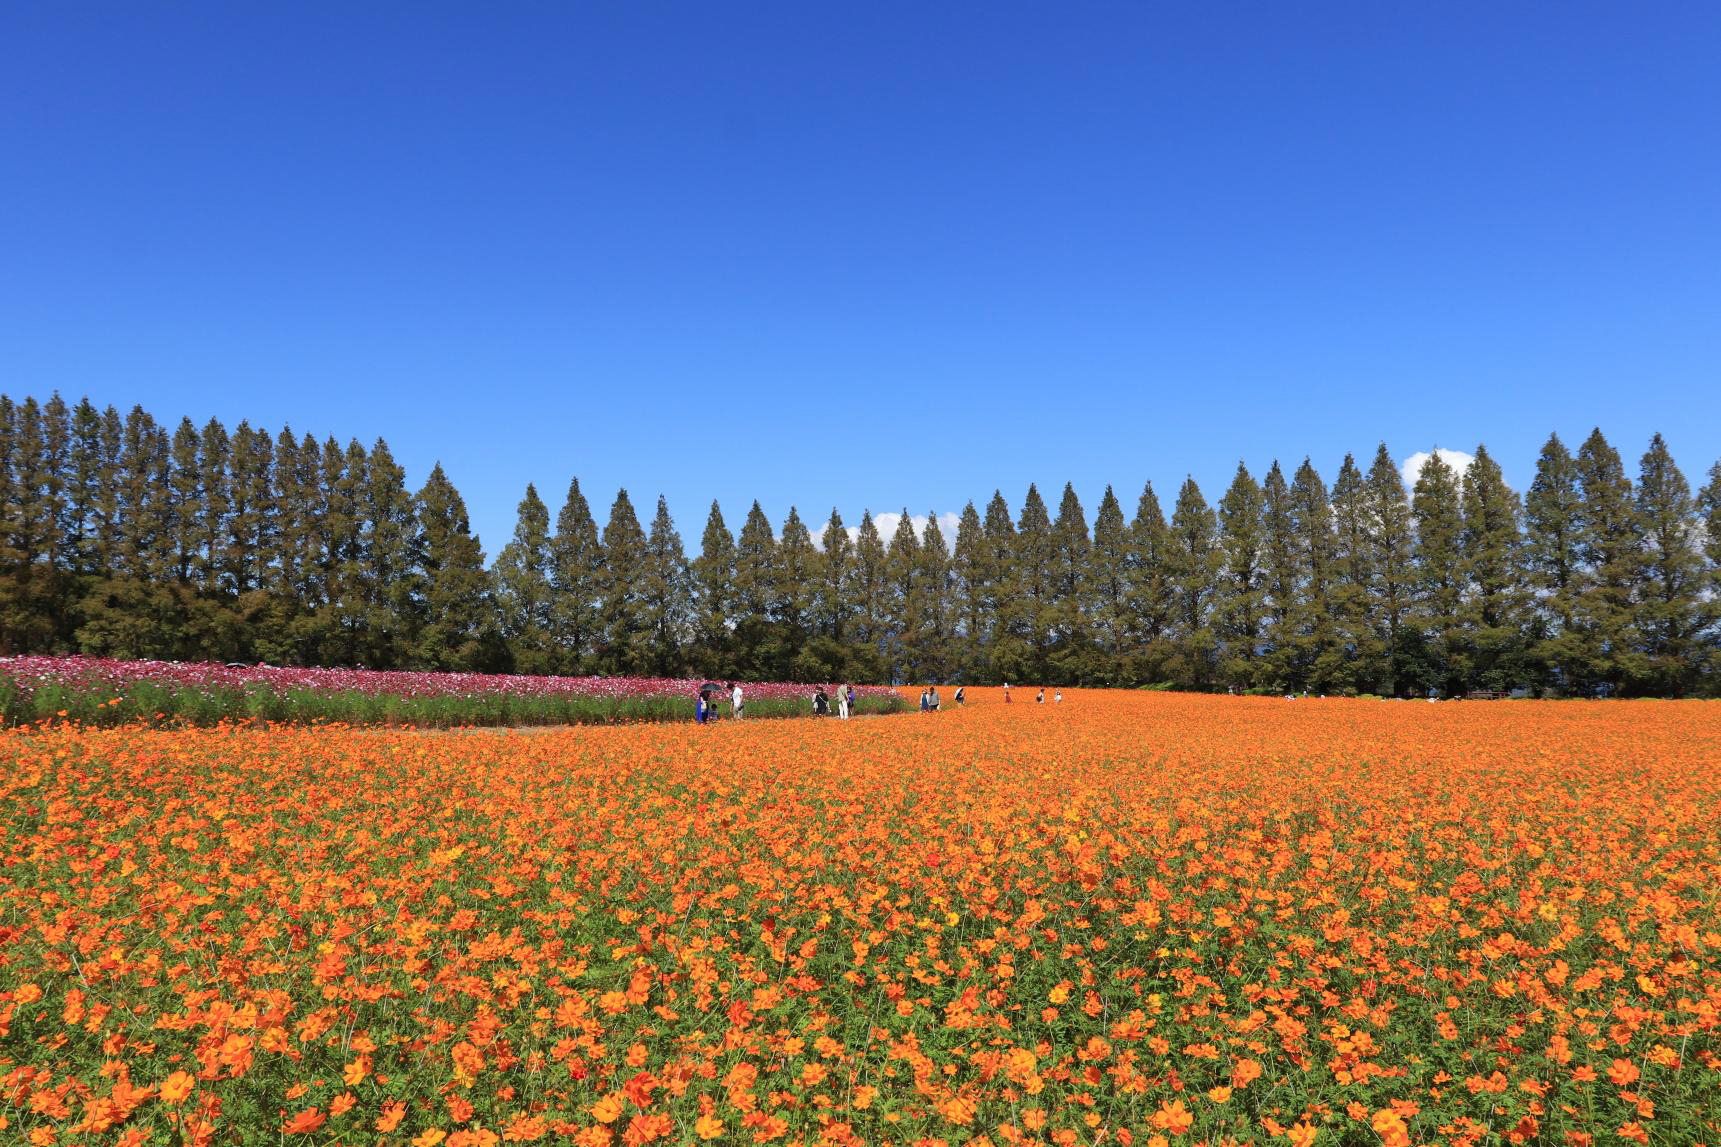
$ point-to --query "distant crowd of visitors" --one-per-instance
(711, 696)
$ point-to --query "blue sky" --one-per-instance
(891, 255)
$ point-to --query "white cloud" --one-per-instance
(886, 524)
(1413, 465)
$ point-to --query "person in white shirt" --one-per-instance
(735, 701)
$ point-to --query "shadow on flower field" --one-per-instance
(1131, 918)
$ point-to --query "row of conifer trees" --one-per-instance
(124, 538)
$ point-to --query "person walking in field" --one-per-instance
(736, 702)
(1040, 697)
(849, 692)
(1058, 697)
(1006, 692)
(821, 702)
(961, 695)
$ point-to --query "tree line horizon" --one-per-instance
(123, 539)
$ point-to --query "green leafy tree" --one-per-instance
(870, 591)
(1240, 598)
(903, 602)
(1196, 561)
(251, 521)
(1279, 667)
(1670, 614)
(666, 593)
(83, 490)
(936, 634)
(214, 505)
(1610, 546)
(1439, 579)
(1354, 607)
(577, 579)
(714, 585)
(1030, 612)
(968, 581)
(1319, 660)
(1069, 609)
(524, 577)
(757, 643)
(1393, 562)
(1151, 599)
(832, 602)
(186, 487)
(1494, 613)
(1010, 653)
(1553, 519)
(1107, 579)
(459, 630)
(390, 561)
(1709, 523)
(626, 636)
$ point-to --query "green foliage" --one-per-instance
(119, 537)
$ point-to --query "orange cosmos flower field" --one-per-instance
(1129, 918)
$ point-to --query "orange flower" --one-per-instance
(304, 1122)
(392, 1114)
(1623, 1072)
(177, 1086)
(1173, 1117)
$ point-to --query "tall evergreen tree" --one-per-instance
(524, 577)
(287, 510)
(56, 430)
(1670, 617)
(903, 601)
(1393, 546)
(937, 605)
(346, 564)
(1309, 612)
(577, 564)
(143, 516)
(83, 491)
(1280, 584)
(832, 601)
(968, 588)
(1553, 519)
(1107, 579)
(1010, 655)
(1493, 613)
(1196, 560)
(1069, 608)
(457, 633)
(795, 560)
(870, 591)
(1439, 579)
(1354, 608)
(1151, 601)
(1709, 524)
(757, 643)
(713, 585)
(391, 560)
(251, 523)
(186, 487)
(667, 596)
(1030, 602)
(626, 638)
(111, 445)
(1610, 545)
(214, 505)
(1239, 600)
